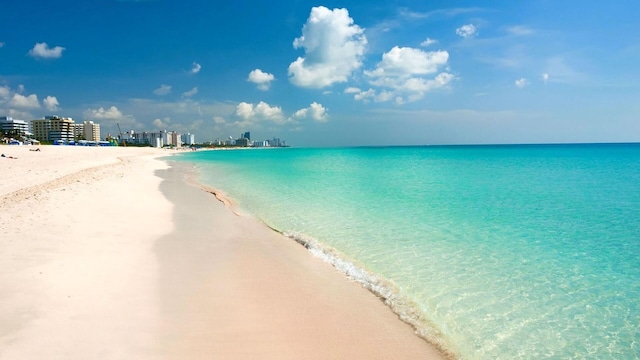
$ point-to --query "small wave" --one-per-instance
(385, 290)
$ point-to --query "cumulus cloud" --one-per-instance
(5, 92)
(51, 103)
(352, 90)
(522, 82)
(262, 79)
(42, 50)
(261, 111)
(467, 31)
(190, 93)
(162, 124)
(195, 68)
(16, 105)
(428, 42)
(27, 102)
(403, 70)
(333, 45)
(112, 113)
(400, 61)
(162, 90)
(315, 112)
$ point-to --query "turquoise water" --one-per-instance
(511, 252)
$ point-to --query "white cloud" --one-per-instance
(315, 112)
(403, 69)
(261, 111)
(262, 79)
(162, 124)
(409, 61)
(195, 68)
(4, 92)
(112, 113)
(522, 82)
(21, 101)
(190, 93)
(1, 44)
(333, 45)
(162, 90)
(384, 96)
(219, 120)
(428, 42)
(42, 50)
(365, 95)
(467, 31)
(352, 90)
(545, 77)
(51, 103)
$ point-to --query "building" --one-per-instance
(188, 138)
(172, 138)
(156, 139)
(14, 127)
(243, 142)
(53, 128)
(91, 131)
(276, 142)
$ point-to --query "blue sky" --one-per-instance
(336, 73)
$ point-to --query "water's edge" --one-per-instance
(406, 310)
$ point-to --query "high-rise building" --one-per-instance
(53, 128)
(13, 127)
(188, 139)
(242, 142)
(247, 135)
(91, 131)
(172, 138)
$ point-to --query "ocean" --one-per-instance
(495, 252)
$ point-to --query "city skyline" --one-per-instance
(341, 73)
(60, 129)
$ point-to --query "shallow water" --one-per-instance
(513, 252)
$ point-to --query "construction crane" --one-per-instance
(124, 143)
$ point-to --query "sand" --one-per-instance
(110, 253)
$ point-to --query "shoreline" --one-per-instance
(129, 260)
(256, 261)
(404, 310)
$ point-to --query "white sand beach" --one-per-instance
(109, 253)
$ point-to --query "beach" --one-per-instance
(115, 253)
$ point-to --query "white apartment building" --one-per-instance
(91, 131)
(87, 130)
(11, 126)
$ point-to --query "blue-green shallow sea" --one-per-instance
(511, 252)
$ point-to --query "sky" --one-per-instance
(336, 73)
